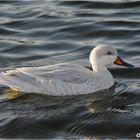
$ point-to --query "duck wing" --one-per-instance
(52, 78)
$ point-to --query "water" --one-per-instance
(36, 33)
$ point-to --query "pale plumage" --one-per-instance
(66, 78)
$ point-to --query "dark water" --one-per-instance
(36, 33)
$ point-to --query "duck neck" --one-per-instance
(98, 67)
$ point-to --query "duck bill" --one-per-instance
(119, 61)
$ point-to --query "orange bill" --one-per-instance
(119, 61)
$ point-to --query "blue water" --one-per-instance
(38, 33)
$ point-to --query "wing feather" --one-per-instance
(43, 79)
(68, 73)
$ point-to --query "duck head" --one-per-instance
(103, 55)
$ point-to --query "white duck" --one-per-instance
(66, 79)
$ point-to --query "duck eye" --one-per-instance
(109, 53)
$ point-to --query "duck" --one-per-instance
(66, 78)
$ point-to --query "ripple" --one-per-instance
(102, 4)
(36, 33)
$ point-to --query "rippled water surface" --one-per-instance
(37, 33)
